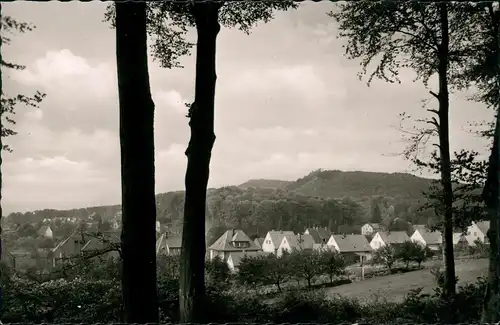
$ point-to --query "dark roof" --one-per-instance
(172, 241)
(394, 237)
(300, 241)
(431, 237)
(352, 243)
(259, 241)
(319, 235)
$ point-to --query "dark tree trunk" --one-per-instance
(1, 175)
(199, 151)
(444, 151)
(138, 235)
(278, 284)
(491, 194)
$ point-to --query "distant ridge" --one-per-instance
(265, 183)
(360, 186)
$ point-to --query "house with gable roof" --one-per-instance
(319, 235)
(80, 243)
(477, 231)
(299, 242)
(273, 240)
(383, 238)
(45, 231)
(370, 228)
(354, 247)
(431, 239)
(259, 241)
(169, 244)
(233, 240)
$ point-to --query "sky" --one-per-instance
(287, 102)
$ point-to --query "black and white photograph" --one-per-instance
(249, 162)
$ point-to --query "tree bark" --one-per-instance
(444, 148)
(137, 165)
(199, 151)
(491, 198)
(1, 175)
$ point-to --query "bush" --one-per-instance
(86, 299)
(311, 306)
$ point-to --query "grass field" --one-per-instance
(395, 287)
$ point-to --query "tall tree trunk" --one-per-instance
(491, 197)
(138, 235)
(1, 163)
(199, 151)
(444, 147)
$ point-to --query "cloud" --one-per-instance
(298, 79)
(287, 102)
(63, 71)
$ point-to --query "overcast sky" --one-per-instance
(287, 102)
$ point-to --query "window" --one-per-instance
(475, 234)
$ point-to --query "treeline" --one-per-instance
(258, 210)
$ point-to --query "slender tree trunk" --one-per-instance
(444, 148)
(138, 235)
(491, 197)
(1, 175)
(199, 151)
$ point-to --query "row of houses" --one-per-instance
(234, 243)
(477, 231)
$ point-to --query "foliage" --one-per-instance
(315, 200)
(385, 255)
(332, 264)
(252, 270)
(96, 297)
(217, 272)
(9, 26)
(306, 265)
(410, 251)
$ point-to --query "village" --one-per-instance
(94, 237)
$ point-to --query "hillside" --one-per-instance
(325, 198)
(360, 185)
(265, 183)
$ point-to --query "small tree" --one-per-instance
(252, 271)
(386, 256)
(410, 251)
(217, 270)
(278, 269)
(306, 265)
(332, 264)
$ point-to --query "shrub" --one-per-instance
(386, 255)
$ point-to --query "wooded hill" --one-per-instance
(335, 199)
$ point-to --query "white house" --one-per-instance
(354, 245)
(45, 231)
(233, 240)
(273, 240)
(383, 238)
(295, 242)
(477, 231)
(370, 228)
(431, 239)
